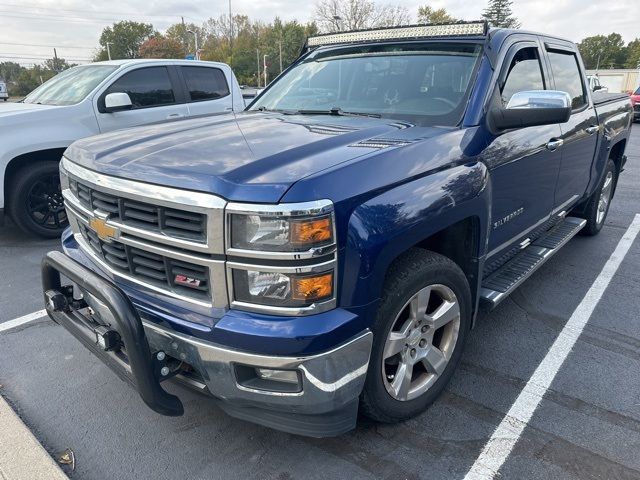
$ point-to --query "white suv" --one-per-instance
(89, 100)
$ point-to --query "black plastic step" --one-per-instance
(499, 285)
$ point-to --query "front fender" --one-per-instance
(388, 225)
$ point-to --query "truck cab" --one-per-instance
(87, 100)
(4, 92)
(327, 250)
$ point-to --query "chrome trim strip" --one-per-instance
(313, 208)
(210, 205)
(329, 379)
(317, 268)
(307, 255)
(312, 309)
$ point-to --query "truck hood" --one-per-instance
(251, 157)
(8, 109)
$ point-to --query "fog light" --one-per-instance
(286, 376)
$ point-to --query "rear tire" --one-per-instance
(428, 344)
(35, 200)
(598, 204)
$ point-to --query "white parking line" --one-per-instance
(508, 432)
(30, 317)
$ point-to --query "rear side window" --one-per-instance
(147, 87)
(566, 74)
(205, 83)
(524, 74)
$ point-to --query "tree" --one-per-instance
(57, 64)
(180, 33)
(603, 51)
(9, 72)
(161, 46)
(337, 15)
(427, 14)
(633, 54)
(498, 13)
(125, 39)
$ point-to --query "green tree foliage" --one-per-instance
(161, 46)
(125, 39)
(180, 33)
(9, 72)
(633, 54)
(57, 64)
(498, 13)
(31, 78)
(602, 51)
(427, 14)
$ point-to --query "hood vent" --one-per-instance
(382, 143)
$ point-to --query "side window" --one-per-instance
(524, 74)
(568, 78)
(205, 83)
(147, 87)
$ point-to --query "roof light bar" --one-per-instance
(399, 33)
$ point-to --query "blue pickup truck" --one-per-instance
(327, 250)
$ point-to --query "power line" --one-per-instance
(39, 7)
(43, 45)
(41, 57)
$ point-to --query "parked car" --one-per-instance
(327, 250)
(635, 101)
(595, 85)
(91, 99)
(4, 92)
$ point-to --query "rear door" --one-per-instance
(524, 162)
(207, 90)
(155, 94)
(580, 134)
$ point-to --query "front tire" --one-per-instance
(419, 335)
(35, 200)
(599, 202)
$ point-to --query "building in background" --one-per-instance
(618, 80)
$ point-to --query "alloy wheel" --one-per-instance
(45, 203)
(421, 342)
(605, 198)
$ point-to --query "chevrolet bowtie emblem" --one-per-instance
(104, 231)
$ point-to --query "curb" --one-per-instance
(21, 455)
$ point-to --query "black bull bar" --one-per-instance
(140, 368)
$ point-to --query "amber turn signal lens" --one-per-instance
(311, 231)
(312, 288)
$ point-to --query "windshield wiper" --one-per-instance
(337, 111)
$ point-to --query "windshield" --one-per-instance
(71, 86)
(424, 83)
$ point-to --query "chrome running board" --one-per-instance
(500, 284)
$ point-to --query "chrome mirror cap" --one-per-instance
(539, 99)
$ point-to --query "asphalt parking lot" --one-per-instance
(587, 425)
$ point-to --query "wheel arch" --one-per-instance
(451, 219)
(25, 160)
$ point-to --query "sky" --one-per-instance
(30, 29)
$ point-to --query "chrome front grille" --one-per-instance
(169, 240)
(166, 221)
(149, 267)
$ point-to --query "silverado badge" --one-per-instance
(104, 231)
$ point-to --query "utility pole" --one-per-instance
(184, 38)
(55, 61)
(108, 50)
(280, 46)
(230, 27)
(264, 67)
(258, 58)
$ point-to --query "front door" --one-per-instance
(153, 95)
(524, 163)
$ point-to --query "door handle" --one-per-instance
(175, 115)
(555, 144)
(592, 129)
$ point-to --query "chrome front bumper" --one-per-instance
(330, 380)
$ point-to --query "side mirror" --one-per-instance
(117, 102)
(533, 108)
(597, 87)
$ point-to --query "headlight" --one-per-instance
(259, 232)
(290, 252)
(282, 289)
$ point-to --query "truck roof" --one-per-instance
(151, 61)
